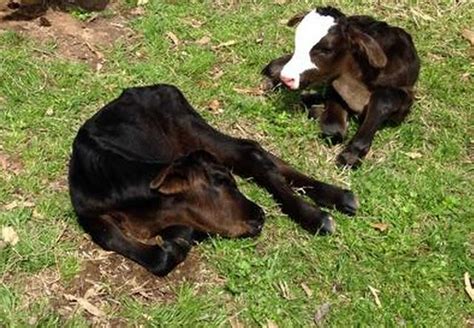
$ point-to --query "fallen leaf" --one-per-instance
(285, 291)
(217, 73)
(137, 11)
(173, 38)
(469, 35)
(92, 292)
(337, 288)
(321, 312)
(86, 305)
(194, 22)
(421, 15)
(49, 112)
(380, 226)
(32, 321)
(215, 107)
(37, 215)
(92, 18)
(465, 77)
(203, 41)
(11, 205)
(58, 185)
(375, 293)
(306, 289)
(414, 155)
(468, 287)
(470, 322)
(142, 2)
(247, 91)
(225, 44)
(14, 204)
(235, 323)
(7, 163)
(27, 203)
(271, 324)
(98, 54)
(435, 57)
(8, 237)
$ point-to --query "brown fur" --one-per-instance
(370, 68)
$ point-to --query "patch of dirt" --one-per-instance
(58, 185)
(74, 39)
(105, 277)
(11, 165)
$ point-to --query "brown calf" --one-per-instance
(369, 67)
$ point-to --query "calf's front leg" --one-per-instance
(158, 259)
(382, 105)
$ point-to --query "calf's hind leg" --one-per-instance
(249, 159)
(321, 193)
(333, 120)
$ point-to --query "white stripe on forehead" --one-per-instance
(308, 33)
(311, 30)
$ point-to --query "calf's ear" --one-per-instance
(367, 44)
(169, 182)
(296, 19)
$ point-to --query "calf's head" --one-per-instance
(325, 46)
(202, 193)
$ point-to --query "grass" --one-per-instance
(417, 179)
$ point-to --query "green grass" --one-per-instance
(427, 201)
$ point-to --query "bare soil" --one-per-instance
(105, 278)
(74, 40)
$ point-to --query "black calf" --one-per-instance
(147, 164)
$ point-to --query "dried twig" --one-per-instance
(375, 293)
(467, 286)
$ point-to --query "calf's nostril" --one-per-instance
(288, 81)
(259, 214)
(256, 226)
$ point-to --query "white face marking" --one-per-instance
(308, 33)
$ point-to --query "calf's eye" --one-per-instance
(220, 179)
(325, 50)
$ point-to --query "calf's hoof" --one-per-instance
(333, 134)
(315, 221)
(328, 225)
(349, 159)
(332, 138)
(348, 203)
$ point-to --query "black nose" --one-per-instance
(256, 227)
(257, 220)
(257, 214)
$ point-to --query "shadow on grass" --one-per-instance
(311, 104)
(28, 10)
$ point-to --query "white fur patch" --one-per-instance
(308, 33)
